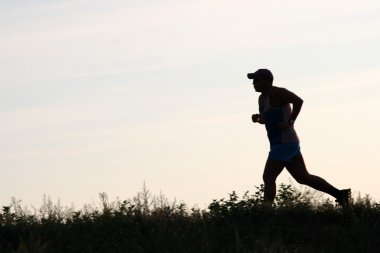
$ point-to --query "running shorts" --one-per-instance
(284, 151)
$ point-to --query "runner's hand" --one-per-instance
(256, 118)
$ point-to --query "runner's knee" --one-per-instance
(268, 179)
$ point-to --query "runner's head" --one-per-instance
(262, 79)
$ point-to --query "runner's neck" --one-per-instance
(268, 91)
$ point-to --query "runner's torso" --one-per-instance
(273, 116)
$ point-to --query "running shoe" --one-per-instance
(344, 199)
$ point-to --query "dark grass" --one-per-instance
(151, 224)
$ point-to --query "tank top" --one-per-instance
(273, 116)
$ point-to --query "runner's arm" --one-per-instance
(289, 97)
(261, 108)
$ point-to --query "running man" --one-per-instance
(279, 117)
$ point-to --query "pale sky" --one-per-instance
(100, 96)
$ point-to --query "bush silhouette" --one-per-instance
(149, 223)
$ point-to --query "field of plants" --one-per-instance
(146, 223)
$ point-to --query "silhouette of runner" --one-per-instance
(279, 117)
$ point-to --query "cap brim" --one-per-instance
(251, 75)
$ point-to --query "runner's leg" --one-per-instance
(297, 169)
(271, 171)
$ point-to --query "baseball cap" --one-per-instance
(261, 73)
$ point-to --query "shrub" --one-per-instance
(149, 223)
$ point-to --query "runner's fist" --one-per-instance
(255, 118)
